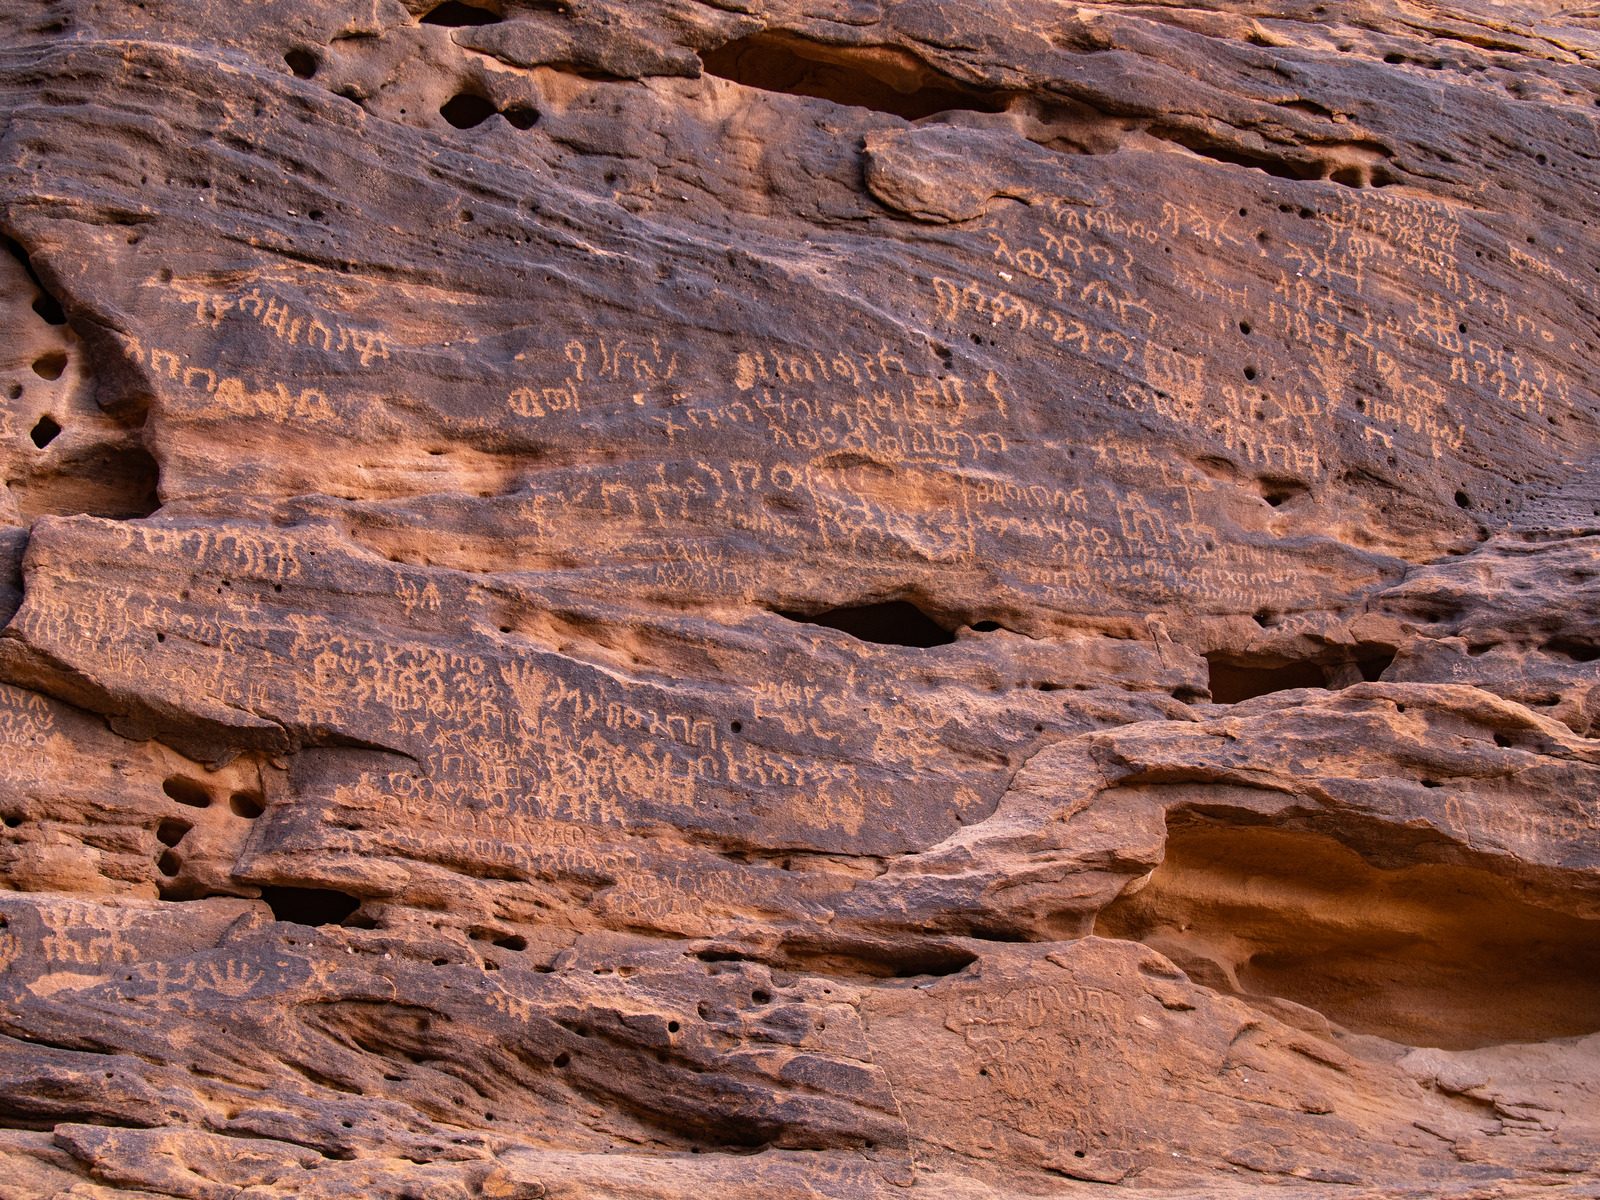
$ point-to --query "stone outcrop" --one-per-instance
(797, 598)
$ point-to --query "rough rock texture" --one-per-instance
(799, 598)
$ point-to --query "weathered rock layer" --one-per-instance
(773, 598)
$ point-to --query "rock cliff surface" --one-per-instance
(799, 598)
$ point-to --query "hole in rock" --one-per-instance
(895, 623)
(1233, 679)
(1371, 169)
(880, 78)
(1576, 649)
(246, 804)
(170, 832)
(45, 431)
(1219, 151)
(1278, 491)
(309, 906)
(19, 1113)
(105, 480)
(302, 62)
(187, 791)
(456, 15)
(169, 864)
(876, 961)
(1426, 954)
(49, 309)
(46, 306)
(1374, 663)
(466, 110)
(521, 116)
(50, 365)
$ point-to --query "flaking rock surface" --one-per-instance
(799, 598)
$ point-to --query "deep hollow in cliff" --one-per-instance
(1427, 954)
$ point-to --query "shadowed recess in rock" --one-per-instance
(880, 78)
(885, 960)
(45, 431)
(106, 479)
(466, 110)
(1576, 648)
(302, 62)
(1235, 679)
(895, 623)
(455, 15)
(1427, 954)
(1352, 164)
(46, 306)
(309, 906)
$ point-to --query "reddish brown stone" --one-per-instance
(817, 598)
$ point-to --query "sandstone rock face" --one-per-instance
(799, 598)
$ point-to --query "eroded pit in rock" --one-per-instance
(455, 15)
(309, 906)
(1357, 164)
(890, 960)
(880, 78)
(44, 304)
(117, 479)
(1428, 954)
(466, 110)
(1235, 678)
(45, 431)
(893, 623)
